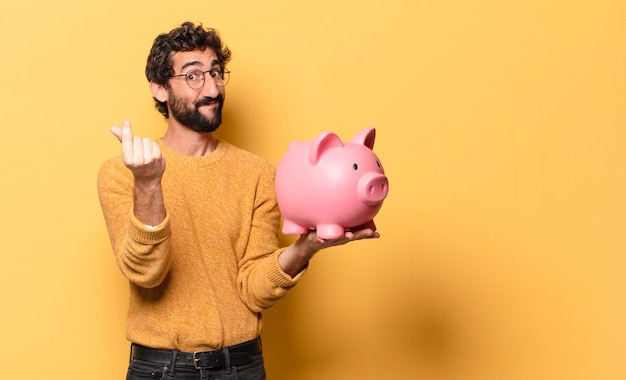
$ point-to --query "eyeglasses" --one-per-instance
(195, 78)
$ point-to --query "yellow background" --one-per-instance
(501, 128)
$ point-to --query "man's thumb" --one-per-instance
(117, 131)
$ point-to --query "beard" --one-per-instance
(191, 117)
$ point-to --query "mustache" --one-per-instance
(208, 100)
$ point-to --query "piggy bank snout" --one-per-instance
(373, 188)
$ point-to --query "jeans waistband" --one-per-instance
(236, 355)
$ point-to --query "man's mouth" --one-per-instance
(208, 102)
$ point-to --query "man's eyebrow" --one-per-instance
(190, 63)
(195, 63)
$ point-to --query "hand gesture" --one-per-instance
(141, 155)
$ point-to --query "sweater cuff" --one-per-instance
(278, 277)
(143, 234)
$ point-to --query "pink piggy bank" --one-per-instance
(330, 185)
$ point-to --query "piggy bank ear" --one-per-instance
(365, 137)
(323, 142)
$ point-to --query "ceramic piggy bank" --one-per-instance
(330, 185)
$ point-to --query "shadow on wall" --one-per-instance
(337, 327)
(240, 128)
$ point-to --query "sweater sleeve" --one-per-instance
(261, 281)
(143, 254)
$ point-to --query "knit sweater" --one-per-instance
(200, 279)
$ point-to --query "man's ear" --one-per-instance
(159, 91)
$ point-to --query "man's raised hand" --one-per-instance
(141, 155)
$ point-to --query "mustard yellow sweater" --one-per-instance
(202, 277)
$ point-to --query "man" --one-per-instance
(193, 222)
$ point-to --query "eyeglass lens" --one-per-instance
(195, 78)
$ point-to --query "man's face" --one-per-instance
(197, 109)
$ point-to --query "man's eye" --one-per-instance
(192, 75)
(214, 73)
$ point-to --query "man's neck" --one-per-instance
(189, 143)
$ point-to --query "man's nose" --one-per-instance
(210, 89)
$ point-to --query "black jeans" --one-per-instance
(140, 369)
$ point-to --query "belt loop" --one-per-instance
(227, 360)
(173, 363)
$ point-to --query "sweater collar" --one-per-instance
(174, 157)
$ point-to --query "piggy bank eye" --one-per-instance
(355, 166)
(378, 163)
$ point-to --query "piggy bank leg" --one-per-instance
(291, 228)
(329, 231)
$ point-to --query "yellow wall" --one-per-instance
(500, 125)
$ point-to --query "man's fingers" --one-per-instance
(125, 135)
(127, 139)
(367, 233)
(121, 132)
(156, 151)
(137, 150)
(146, 145)
(140, 153)
(117, 131)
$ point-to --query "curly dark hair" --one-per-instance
(186, 37)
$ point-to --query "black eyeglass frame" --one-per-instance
(222, 73)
